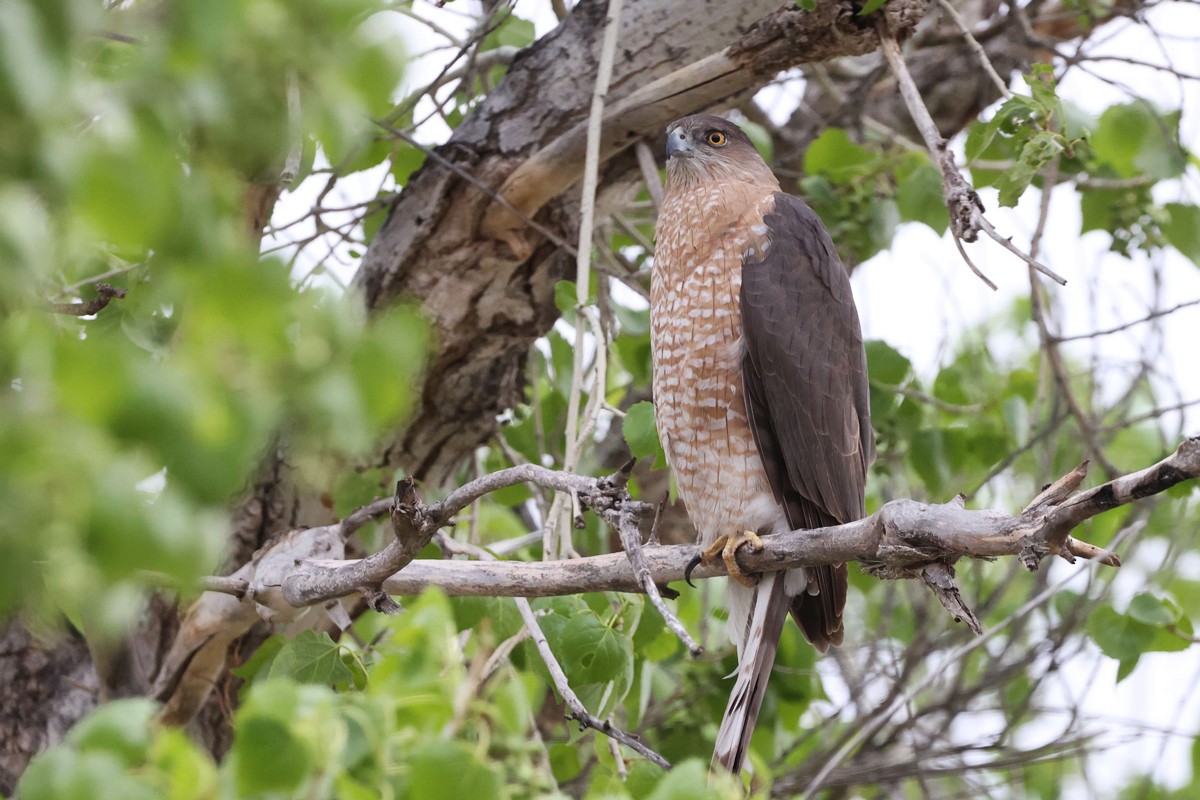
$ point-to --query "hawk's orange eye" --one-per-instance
(716, 138)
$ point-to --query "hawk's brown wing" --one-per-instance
(805, 376)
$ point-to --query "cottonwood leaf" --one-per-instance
(640, 430)
(312, 657)
(1147, 608)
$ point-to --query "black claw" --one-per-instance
(687, 571)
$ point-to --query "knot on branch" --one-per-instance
(408, 513)
(609, 498)
(105, 293)
(963, 202)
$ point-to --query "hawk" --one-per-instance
(760, 390)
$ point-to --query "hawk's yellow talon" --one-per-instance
(726, 547)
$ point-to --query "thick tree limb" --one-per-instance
(784, 39)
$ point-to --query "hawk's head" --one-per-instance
(702, 147)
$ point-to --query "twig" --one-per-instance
(963, 204)
(578, 711)
(557, 536)
(66, 290)
(1058, 369)
(1153, 315)
(961, 200)
(976, 47)
(631, 541)
(649, 168)
(952, 658)
(106, 292)
(928, 399)
(226, 585)
(1006, 243)
(962, 251)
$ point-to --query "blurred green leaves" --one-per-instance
(1149, 624)
(863, 191)
(128, 138)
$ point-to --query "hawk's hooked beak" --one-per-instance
(678, 144)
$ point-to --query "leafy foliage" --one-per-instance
(128, 156)
(863, 191)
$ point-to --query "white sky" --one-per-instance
(919, 296)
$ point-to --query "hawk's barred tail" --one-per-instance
(761, 639)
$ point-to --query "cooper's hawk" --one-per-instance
(760, 389)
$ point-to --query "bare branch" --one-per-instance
(964, 205)
(976, 47)
(106, 292)
(1153, 315)
(226, 585)
(578, 711)
(649, 168)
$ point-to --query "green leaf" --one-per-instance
(870, 6)
(1147, 608)
(919, 194)
(565, 297)
(512, 31)
(640, 430)
(1119, 636)
(836, 156)
(405, 161)
(690, 781)
(886, 364)
(590, 651)
(450, 769)
(1135, 139)
(1012, 116)
(121, 728)
(312, 657)
(564, 761)
(1036, 153)
(61, 773)
(1182, 229)
(268, 757)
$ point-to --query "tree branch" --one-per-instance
(786, 38)
(964, 205)
(897, 541)
(903, 539)
(105, 294)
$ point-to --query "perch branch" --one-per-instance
(300, 570)
(898, 541)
